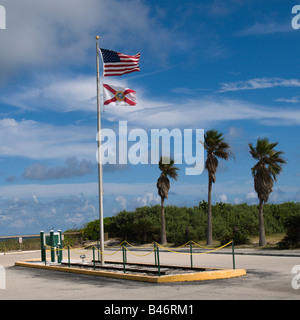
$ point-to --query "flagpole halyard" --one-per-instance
(100, 177)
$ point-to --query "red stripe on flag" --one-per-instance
(110, 100)
(119, 72)
(128, 91)
(129, 101)
(109, 88)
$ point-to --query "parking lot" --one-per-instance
(268, 277)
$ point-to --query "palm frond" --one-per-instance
(268, 167)
(216, 148)
(166, 165)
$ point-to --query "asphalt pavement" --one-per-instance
(271, 275)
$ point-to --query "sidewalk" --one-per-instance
(226, 250)
(261, 252)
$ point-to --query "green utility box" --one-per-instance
(52, 241)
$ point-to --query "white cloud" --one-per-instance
(57, 93)
(17, 192)
(76, 219)
(122, 201)
(142, 191)
(35, 199)
(206, 112)
(36, 140)
(53, 210)
(295, 99)
(87, 208)
(62, 33)
(238, 200)
(222, 198)
(251, 195)
(147, 199)
(265, 28)
(70, 94)
(18, 224)
(47, 191)
(259, 83)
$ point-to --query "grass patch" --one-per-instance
(13, 245)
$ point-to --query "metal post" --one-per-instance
(52, 246)
(233, 258)
(100, 178)
(20, 243)
(69, 255)
(155, 254)
(43, 252)
(191, 253)
(123, 250)
(94, 257)
(60, 246)
(158, 263)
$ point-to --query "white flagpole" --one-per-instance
(100, 182)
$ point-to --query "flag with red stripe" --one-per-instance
(117, 64)
(118, 96)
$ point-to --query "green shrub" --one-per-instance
(292, 238)
(183, 224)
(73, 237)
(237, 235)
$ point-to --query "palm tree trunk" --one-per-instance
(163, 223)
(209, 215)
(262, 235)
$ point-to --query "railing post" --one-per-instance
(233, 258)
(94, 257)
(69, 255)
(125, 252)
(123, 249)
(52, 246)
(60, 246)
(43, 251)
(155, 253)
(158, 263)
(191, 253)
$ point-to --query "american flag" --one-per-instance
(117, 64)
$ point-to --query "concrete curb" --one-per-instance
(17, 252)
(213, 274)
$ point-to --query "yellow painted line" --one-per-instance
(196, 276)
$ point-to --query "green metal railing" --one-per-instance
(123, 246)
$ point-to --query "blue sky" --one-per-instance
(230, 65)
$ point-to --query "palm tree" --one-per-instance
(265, 172)
(216, 148)
(163, 185)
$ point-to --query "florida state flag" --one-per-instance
(118, 96)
